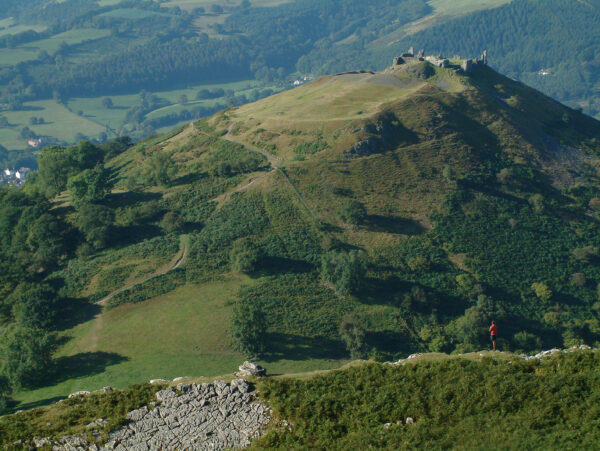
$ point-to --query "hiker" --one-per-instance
(493, 335)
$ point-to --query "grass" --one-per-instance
(73, 415)
(8, 26)
(131, 14)
(30, 50)
(58, 121)
(330, 99)
(64, 124)
(191, 4)
(187, 329)
(463, 7)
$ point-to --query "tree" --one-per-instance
(352, 334)
(90, 185)
(34, 305)
(171, 222)
(95, 222)
(541, 291)
(55, 164)
(45, 240)
(183, 99)
(27, 355)
(585, 254)
(85, 155)
(4, 393)
(352, 211)
(537, 203)
(107, 103)
(159, 169)
(527, 341)
(344, 270)
(244, 255)
(248, 327)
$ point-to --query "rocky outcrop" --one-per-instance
(248, 369)
(192, 417)
(551, 352)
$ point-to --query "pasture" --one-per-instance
(59, 122)
(188, 333)
(31, 50)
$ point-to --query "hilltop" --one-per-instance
(362, 214)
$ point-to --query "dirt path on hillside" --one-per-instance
(275, 162)
(176, 262)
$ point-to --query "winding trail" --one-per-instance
(175, 262)
(275, 164)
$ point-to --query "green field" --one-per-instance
(131, 14)
(462, 7)
(30, 51)
(65, 123)
(188, 333)
(191, 4)
(11, 139)
(9, 26)
(58, 122)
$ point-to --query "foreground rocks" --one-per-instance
(194, 417)
(550, 352)
(248, 369)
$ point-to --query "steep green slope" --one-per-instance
(374, 214)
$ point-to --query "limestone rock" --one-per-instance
(79, 393)
(251, 369)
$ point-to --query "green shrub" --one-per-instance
(244, 255)
(344, 270)
(353, 336)
(249, 327)
(352, 211)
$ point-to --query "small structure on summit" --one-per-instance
(467, 66)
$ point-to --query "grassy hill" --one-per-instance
(409, 207)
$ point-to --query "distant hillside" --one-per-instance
(362, 214)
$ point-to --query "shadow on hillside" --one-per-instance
(389, 342)
(295, 347)
(188, 178)
(126, 235)
(14, 406)
(83, 365)
(130, 198)
(75, 311)
(280, 265)
(394, 224)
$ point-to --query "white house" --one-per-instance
(22, 173)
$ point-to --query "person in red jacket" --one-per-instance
(493, 335)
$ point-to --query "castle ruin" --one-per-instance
(467, 65)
